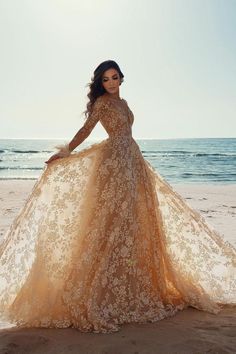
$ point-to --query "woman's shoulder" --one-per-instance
(108, 101)
(102, 100)
(101, 104)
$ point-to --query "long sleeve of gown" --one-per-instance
(98, 111)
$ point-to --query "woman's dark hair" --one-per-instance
(95, 86)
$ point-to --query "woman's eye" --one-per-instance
(114, 78)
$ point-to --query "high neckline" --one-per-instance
(114, 98)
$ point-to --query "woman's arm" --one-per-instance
(97, 112)
(79, 137)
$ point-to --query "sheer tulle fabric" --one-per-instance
(103, 240)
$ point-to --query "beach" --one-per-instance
(190, 331)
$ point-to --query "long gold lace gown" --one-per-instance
(103, 240)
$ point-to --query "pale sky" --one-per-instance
(178, 58)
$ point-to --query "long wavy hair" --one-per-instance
(96, 88)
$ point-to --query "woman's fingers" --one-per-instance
(52, 158)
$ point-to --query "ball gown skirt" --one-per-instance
(104, 240)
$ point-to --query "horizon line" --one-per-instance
(140, 138)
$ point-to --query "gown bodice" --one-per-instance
(115, 116)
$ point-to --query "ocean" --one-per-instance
(203, 160)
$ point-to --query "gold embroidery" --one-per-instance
(103, 240)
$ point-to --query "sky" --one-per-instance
(178, 58)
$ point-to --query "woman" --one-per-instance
(103, 239)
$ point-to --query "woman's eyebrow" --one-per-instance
(107, 76)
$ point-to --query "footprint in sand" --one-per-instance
(23, 344)
(226, 330)
(9, 210)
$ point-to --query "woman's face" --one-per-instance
(111, 81)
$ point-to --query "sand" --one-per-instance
(190, 331)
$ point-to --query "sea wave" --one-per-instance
(188, 160)
(186, 154)
(16, 168)
(23, 151)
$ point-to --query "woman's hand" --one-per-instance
(53, 157)
(64, 151)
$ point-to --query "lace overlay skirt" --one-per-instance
(103, 240)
